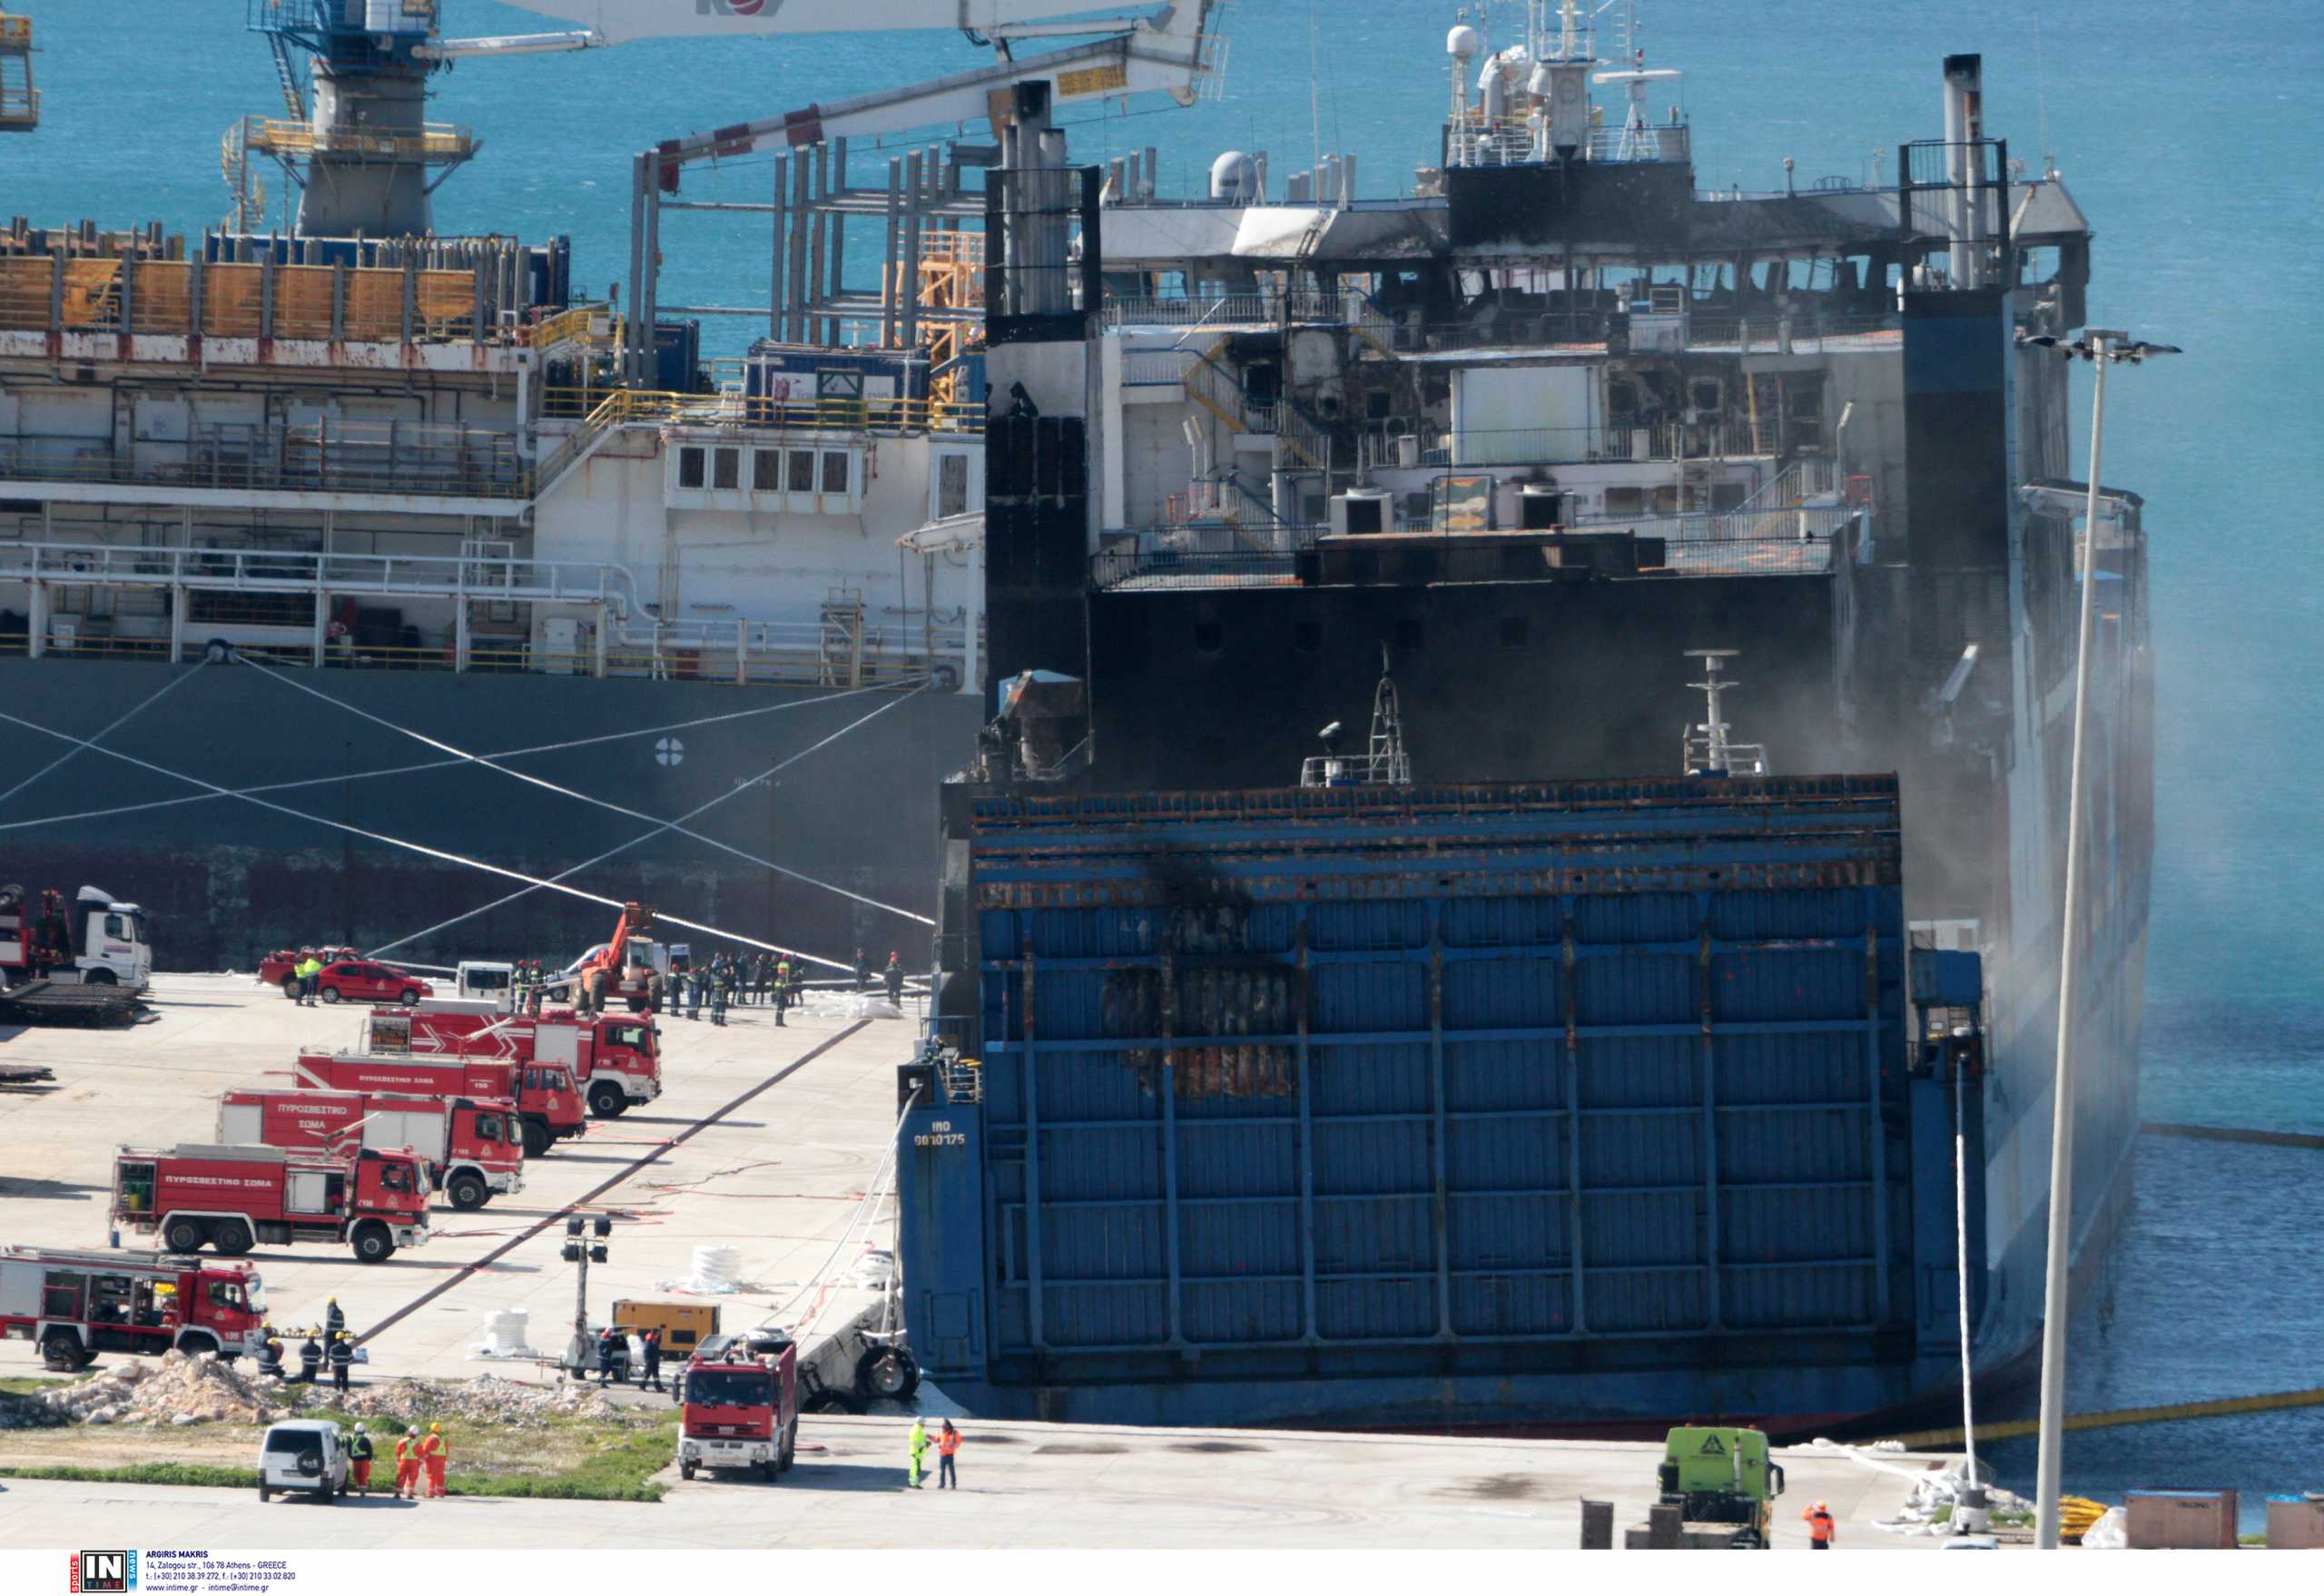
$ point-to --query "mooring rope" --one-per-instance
(677, 825)
(428, 764)
(127, 716)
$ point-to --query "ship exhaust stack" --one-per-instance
(1964, 129)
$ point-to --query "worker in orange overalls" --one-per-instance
(1820, 1528)
(407, 1462)
(432, 1453)
(948, 1445)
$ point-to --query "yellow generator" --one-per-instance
(683, 1324)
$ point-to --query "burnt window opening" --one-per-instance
(727, 469)
(690, 468)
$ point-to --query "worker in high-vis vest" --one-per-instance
(917, 1441)
(432, 1454)
(309, 968)
(407, 1462)
(1820, 1527)
(359, 1460)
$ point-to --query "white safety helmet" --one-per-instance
(359, 1427)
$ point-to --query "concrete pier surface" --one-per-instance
(780, 1175)
(1022, 1485)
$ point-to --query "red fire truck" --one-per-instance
(472, 1149)
(233, 1199)
(75, 1305)
(547, 1106)
(740, 1410)
(616, 1060)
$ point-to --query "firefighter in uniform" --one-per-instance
(342, 1359)
(782, 989)
(310, 1358)
(269, 1355)
(359, 1460)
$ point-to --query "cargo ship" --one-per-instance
(1502, 1040)
(477, 507)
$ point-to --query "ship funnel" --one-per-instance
(1965, 128)
(1707, 750)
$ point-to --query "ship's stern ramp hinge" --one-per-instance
(941, 1211)
(1947, 1097)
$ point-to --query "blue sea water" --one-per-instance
(2188, 133)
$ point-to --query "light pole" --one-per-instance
(583, 1251)
(2102, 347)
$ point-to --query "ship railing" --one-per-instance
(1711, 439)
(1521, 327)
(401, 459)
(1304, 306)
(278, 571)
(1706, 544)
(592, 327)
(436, 141)
(1155, 368)
(601, 407)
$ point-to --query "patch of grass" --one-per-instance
(573, 1460)
(32, 1385)
(2011, 1518)
(622, 1471)
(153, 1473)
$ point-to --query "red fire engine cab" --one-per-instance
(232, 1199)
(547, 1106)
(740, 1408)
(472, 1149)
(75, 1305)
(616, 1060)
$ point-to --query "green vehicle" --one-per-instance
(1721, 1476)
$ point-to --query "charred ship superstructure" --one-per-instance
(1551, 1085)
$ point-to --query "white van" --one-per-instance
(303, 1454)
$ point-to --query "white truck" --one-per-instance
(98, 942)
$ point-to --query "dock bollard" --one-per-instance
(1597, 1525)
(1663, 1527)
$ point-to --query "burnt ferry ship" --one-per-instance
(1502, 1040)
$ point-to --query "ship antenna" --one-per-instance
(1706, 751)
(2042, 102)
(1389, 761)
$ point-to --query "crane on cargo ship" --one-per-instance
(354, 144)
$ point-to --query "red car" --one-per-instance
(359, 981)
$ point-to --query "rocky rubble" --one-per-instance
(178, 1389)
(482, 1400)
(197, 1390)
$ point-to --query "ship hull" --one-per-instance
(224, 881)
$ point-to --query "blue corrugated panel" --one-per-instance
(1467, 1069)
